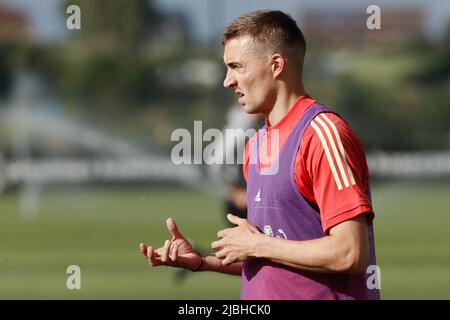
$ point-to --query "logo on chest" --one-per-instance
(258, 196)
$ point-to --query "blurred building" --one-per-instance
(13, 26)
(347, 28)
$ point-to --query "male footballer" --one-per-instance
(309, 232)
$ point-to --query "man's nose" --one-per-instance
(229, 81)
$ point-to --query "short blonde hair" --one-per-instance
(272, 29)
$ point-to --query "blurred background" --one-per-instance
(86, 118)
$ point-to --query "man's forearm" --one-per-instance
(304, 255)
(345, 251)
(214, 264)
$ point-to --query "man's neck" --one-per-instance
(283, 104)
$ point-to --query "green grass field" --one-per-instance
(100, 229)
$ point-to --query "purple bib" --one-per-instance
(276, 207)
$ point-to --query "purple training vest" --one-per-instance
(277, 208)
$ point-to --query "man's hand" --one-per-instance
(237, 244)
(177, 252)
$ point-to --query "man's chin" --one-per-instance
(253, 111)
(249, 109)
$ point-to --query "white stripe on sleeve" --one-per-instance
(335, 151)
(341, 147)
(327, 153)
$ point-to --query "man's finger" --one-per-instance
(223, 233)
(150, 256)
(234, 219)
(143, 249)
(173, 229)
(165, 251)
(175, 254)
(221, 254)
(226, 261)
(154, 258)
(219, 244)
(150, 252)
(173, 251)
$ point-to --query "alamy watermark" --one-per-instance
(374, 279)
(225, 147)
(74, 279)
(73, 21)
(373, 22)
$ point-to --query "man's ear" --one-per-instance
(278, 64)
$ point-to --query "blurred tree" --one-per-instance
(400, 101)
(115, 25)
(437, 67)
(105, 69)
(129, 58)
(433, 77)
(368, 109)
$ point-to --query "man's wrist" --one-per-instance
(202, 263)
(260, 245)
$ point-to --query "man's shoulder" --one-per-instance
(328, 131)
(328, 121)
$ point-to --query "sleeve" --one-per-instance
(335, 173)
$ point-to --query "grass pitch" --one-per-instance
(100, 229)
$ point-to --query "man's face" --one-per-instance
(250, 75)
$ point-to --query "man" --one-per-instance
(309, 228)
